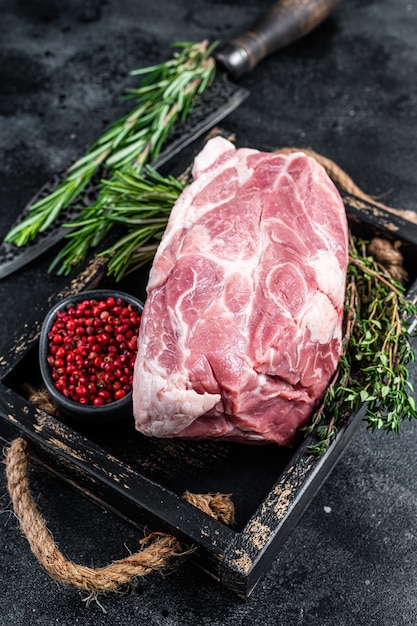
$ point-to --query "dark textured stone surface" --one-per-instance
(348, 91)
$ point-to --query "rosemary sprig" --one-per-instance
(376, 352)
(141, 204)
(165, 95)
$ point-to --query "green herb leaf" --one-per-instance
(166, 94)
(375, 355)
(141, 204)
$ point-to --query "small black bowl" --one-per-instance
(114, 411)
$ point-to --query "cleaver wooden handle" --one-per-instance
(285, 22)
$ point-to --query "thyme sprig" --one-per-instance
(166, 94)
(376, 352)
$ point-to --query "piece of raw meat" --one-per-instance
(241, 329)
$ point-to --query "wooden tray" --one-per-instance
(143, 479)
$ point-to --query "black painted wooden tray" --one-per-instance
(143, 479)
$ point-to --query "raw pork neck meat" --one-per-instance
(241, 330)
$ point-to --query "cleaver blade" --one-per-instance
(284, 23)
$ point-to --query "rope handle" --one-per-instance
(157, 551)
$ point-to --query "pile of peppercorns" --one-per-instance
(92, 347)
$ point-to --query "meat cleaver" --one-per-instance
(284, 23)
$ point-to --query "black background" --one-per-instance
(348, 91)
